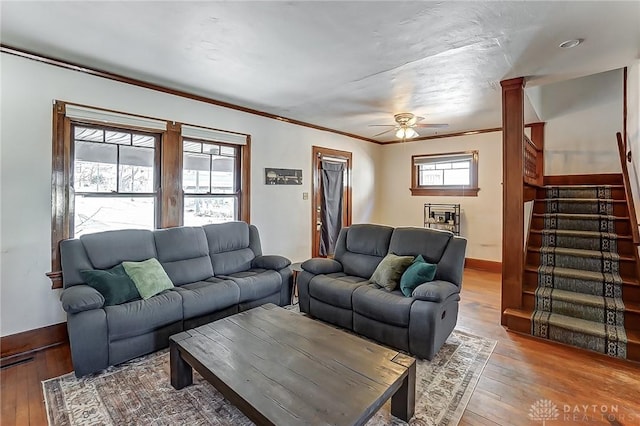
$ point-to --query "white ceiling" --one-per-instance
(342, 65)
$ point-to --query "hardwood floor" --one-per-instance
(523, 370)
(586, 387)
(21, 396)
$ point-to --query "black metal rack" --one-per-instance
(442, 216)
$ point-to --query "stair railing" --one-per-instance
(530, 174)
(533, 161)
(635, 235)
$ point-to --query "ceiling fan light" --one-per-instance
(410, 133)
(400, 133)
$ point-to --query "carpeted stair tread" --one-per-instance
(582, 200)
(577, 252)
(600, 192)
(628, 306)
(577, 233)
(580, 233)
(581, 281)
(576, 273)
(583, 326)
(583, 216)
(580, 221)
(604, 310)
(572, 273)
(574, 258)
(580, 239)
(591, 335)
(585, 299)
(579, 204)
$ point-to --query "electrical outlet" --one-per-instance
(305, 195)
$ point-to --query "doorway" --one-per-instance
(331, 204)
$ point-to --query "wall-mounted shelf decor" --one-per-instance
(442, 216)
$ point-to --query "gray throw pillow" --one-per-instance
(389, 271)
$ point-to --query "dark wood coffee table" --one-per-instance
(282, 368)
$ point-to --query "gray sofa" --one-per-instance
(217, 270)
(338, 291)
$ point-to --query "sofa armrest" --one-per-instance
(321, 265)
(270, 262)
(435, 291)
(81, 298)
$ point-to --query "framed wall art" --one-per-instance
(282, 176)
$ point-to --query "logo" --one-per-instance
(543, 410)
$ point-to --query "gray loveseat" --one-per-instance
(338, 291)
(217, 270)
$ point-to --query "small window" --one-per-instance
(114, 179)
(211, 182)
(454, 174)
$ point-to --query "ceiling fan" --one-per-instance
(405, 126)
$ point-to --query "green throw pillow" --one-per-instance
(389, 271)
(148, 276)
(114, 284)
(417, 273)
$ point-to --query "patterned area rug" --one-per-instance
(139, 393)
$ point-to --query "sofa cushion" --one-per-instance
(361, 247)
(184, 254)
(335, 289)
(361, 265)
(381, 305)
(114, 284)
(148, 276)
(368, 239)
(229, 247)
(110, 248)
(430, 243)
(142, 316)
(417, 273)
(255, 284)
(389, 271)
(206, 297)
(230, 236)
(188, 270)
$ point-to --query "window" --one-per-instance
(210, 181)
(454, 174)
(114, 179)
(115, 171)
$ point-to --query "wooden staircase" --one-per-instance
(520, 320)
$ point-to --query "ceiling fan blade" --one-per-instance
(382, 133)
(414, 120)
(382, 125)
(434, 125)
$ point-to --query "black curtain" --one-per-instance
(331, 207)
